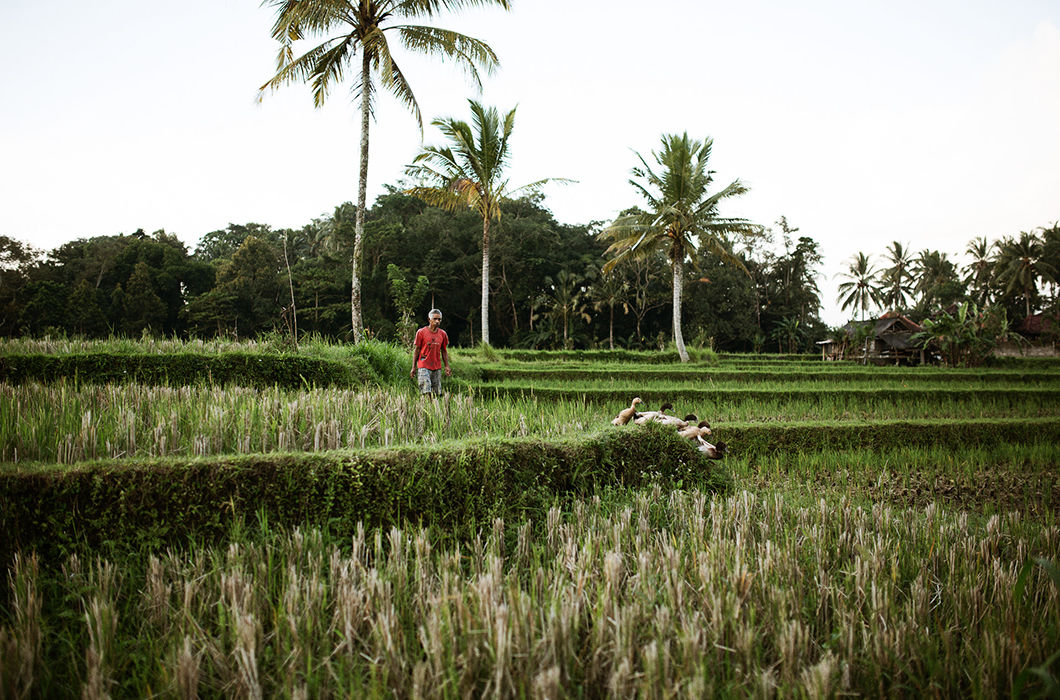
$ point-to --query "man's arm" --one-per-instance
(445, 361)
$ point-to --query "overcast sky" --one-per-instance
(928, 122)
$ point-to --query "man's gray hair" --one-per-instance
(433, 312)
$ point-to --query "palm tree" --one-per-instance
(860, 288)
(679, 211)
(607, 292)
(979, 271)
(1051, 253)
(469, 172)
(894, 287)
(933, 271)
(566, 300)
(1021, 263)
(363, 28)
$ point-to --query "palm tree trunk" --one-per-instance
(679, 278)
(362, 194)
(485, 319)
(611, 328)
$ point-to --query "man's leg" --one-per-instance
(423, 378)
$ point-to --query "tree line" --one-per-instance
(1017, 274)
(546, 289)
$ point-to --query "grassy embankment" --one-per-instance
(871, 542)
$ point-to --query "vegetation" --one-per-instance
(235, 538)
(363, 28)
(680, 213)
(653, 592)
(470, 172)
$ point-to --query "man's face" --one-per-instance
(435, 320)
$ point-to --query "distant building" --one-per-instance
(890, 341)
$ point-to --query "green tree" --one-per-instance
(470, 172)
(366, 27)
(1021, 264)
(406, 298)
(681, 217)
(142, 308)
(860, 289)
(896, 280)
(16, 259)
(1051, 255)
(566, 301)
(86, 315)
(937, 283)
(979, 272)
(787, 331)
(252, 283)
(966, 337)
(608, 291)
(43, 307)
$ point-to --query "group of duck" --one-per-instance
(687, 427)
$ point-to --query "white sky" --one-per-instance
(929, 121)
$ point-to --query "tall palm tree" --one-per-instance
(469, 172)
(860, 289)
(1021, 263)
(896, 279)
(1051, 253)
(979, 271)
(566, 300)
(365, 28)
(608, 291)
(681, 217)
(933, 271)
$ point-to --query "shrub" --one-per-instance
(459, 490)
(178, 369)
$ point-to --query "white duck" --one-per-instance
(653, 416)
(713, 451)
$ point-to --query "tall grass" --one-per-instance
(65, 423)
(664, 595)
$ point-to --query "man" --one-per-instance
(429, 354)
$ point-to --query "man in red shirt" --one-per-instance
(429, 354)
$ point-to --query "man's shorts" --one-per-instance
(429, 380)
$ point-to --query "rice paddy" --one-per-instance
(849, 568)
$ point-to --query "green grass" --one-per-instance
(886, 515)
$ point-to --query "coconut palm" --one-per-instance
(1051, 254)
(566, 301)
(979, 271)
(469, 172)
(365, 29)
(608, 291)
(935, 273)
(895, 287)
(1021, 263)
(681, 217)
(860, 289)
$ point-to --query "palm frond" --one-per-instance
(469, 53)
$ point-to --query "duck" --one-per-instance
(713, 451)
(627, 414)
(653, 416)
(679, 423)
(695, 432)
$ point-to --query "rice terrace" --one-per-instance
(559, 397)
(334, 534)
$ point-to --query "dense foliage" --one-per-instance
(546, 288)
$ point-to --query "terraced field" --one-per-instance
(873, 531)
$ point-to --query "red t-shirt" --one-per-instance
(429, 347)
